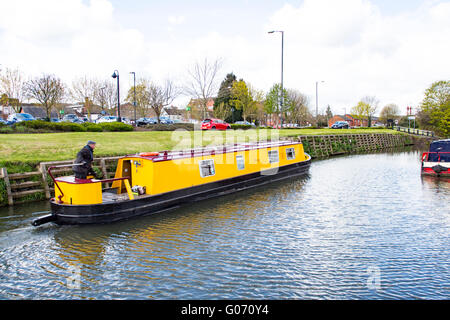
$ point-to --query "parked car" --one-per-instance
(107, 119)
(19, 117)
(213, 124)
(290, 125)
(70, 118)
(145, 121)
(3, 121)
(125, 120)
(55, 120)
(165, 120)
(246, 123)
(340, 125)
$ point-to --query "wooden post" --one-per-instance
(105, 173)
(42, 169)
(8, 186)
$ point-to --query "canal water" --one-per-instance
(357, 227)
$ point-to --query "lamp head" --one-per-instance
(115, 74)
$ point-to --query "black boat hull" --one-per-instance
(126, 209)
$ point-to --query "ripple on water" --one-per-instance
(333, 234)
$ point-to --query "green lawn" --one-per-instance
(34, 148)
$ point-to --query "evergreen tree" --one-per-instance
(222, 102)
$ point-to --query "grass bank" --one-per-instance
(21, 152)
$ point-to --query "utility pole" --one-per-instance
(134, 91)
(317, 103)
(282, 69)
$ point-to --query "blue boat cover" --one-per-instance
(440, 146)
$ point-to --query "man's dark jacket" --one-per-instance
(84, 155)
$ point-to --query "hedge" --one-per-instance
(242, 126)
(114, 126)
(170, 127)
(39, 126)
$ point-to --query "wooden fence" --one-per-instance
(39, 184)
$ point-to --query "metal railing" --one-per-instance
(426, 156)
(419, 132)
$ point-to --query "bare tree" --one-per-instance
(48, 90)
(161, 96)
(12, 84)
(85, 90)
(106, 96)
(202, 83)
(297, 107)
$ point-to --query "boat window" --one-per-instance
(273, 156)
(240, 162)
(290, 153)
(207, 168)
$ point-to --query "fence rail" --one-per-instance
(419, 132)
(19, 185)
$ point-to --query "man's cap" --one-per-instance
(91, 142)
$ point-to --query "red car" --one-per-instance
(213, 124)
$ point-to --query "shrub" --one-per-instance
(170, 127)
(92, 127)
(241, 126)
(49, 126)
(115, 126)
(6, 129)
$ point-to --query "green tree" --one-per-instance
(241, 99)
(329, 112)
(222, 102)
(434, 111)
(360, 111)
(272, 103)
(142, 97)
(365, 109)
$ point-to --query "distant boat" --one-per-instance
(436, 162)
(152, 182)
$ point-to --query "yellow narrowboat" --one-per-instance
(152, 182)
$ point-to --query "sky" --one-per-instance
(393, 50)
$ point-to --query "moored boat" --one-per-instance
(436, 162)
(152, 182)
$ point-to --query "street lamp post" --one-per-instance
(317, 102)
(116, 75)
(282, 67)
(134, 92)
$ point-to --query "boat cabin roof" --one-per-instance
(440, 146)
(211, 150)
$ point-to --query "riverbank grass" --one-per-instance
(22, 151)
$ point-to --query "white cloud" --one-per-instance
(348, 43)
(358, 51)
(176, 20)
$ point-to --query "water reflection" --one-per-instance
(437, 184)
(320, 236)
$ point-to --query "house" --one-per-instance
(196, 104)
(173, 113)
(38, 112)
